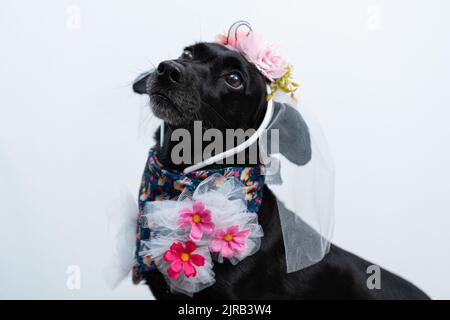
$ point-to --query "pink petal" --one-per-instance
(172, 273)
(177, 247)
(207, 227)
(189, 269)
(239, 239)
(216, 245)
(184, 223)
(226, 251)
(232, 230)
(198, 206)
(170, 256)
(190, 246)
(242, 235)
(186, 215)
(196, 233)
(219, 234)
(206, 219)
(206, 214)
(184, 211)
(236, 246)
(176, 265)
(251, 45)
(237, 35)
(198, 259)
(221, 39)
(277, 73)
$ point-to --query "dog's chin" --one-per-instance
(165, 109)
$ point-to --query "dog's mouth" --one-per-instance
(165, 108)
(159, 98)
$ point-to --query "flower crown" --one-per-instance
(264, 56)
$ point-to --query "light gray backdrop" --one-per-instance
(72, 133)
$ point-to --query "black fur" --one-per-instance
(193, 88)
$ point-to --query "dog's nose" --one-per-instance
(170, 71)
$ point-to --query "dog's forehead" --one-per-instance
(208, 50)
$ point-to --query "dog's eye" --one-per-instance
(234, 80)
(187, 54)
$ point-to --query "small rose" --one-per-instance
(271, 62)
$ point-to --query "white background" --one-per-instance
(72, 133)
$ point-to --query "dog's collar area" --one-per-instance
(247, 143)
(301, 178)
(236, 190)
(228, 153)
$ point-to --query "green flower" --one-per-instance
(284, 83)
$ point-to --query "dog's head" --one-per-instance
(210, 83)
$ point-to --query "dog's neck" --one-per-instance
(165, 146)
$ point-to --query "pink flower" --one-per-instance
(270, 63)
(263, 55)
(236, 36)
(230, 241)
(183, 259)
(199, 219)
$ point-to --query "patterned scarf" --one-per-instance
(160, 183)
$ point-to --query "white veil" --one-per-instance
(300, 172)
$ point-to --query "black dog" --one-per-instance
(219, 87)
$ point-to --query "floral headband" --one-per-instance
(263, 55)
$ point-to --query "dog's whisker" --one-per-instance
(151, 62)
(147, 118)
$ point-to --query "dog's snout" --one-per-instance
(170, 71)
(140, 84)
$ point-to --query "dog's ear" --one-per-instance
(140, 84)
(293, 134)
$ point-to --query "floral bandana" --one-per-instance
(186, 221)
